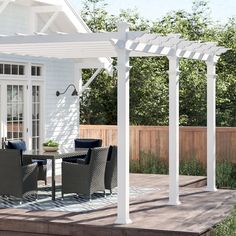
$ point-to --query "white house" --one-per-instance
(29, 107)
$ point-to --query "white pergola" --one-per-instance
(124, 44)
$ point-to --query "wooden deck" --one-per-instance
(150, 213)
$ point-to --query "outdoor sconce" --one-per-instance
(74, 93)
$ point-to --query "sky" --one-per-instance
(221, 10)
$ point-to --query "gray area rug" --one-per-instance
(70, 203)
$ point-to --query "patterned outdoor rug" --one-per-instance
(70, 203)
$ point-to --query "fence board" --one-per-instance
(154, 139)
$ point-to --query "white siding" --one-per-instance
(61, 113)
(15, 19)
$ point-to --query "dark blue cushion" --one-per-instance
(40, 162)
(73, 159)
(88, 143)
(16, 144)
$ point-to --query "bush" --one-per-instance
(191, 166)
(148, 163)
(151, 164)
(225, 174)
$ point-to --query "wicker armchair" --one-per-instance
(83, 144)
(85, 178)
(42, 164)
(111, 169)
(16, 179)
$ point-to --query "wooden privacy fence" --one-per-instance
(154, 139)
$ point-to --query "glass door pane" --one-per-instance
(15, 111)
(36, 93)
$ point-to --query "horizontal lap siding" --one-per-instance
(153, 139)
(15, 19)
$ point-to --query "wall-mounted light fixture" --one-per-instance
(74, 93)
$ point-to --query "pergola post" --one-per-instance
(211, 125)
(123, 126)
(174, 130)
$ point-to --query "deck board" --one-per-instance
(150, 213)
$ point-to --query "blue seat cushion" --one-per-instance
(40, 162)
(75, 159)
(16, 144)
(88, 143)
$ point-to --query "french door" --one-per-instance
(21, 112)
(13, 109)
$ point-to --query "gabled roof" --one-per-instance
(54, 16)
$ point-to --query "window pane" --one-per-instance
(7, 69)
(15, 93)
(21, 70)
(15, 69)
(33, 70)
(1, 68)
(38, 71)
(9, 93)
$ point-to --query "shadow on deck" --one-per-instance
(150, 213)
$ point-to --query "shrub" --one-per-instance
(225, 174)
(148, 163)
(192, 166)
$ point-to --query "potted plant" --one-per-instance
(50, 146)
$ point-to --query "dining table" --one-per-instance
(53, 156)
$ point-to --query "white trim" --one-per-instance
(4, 5)
(91, 79)
(50, 21)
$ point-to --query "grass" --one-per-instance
(226, 227)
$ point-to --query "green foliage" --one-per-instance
(51, 143)
(227, 227)
(191, 166)
(225, 174)
(148, 163)
(149, 83)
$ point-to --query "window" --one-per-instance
(36, 70)
(12, 69)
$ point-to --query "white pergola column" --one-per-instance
(211, 125)
(174, 130)
(123, 127)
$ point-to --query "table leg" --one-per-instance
(53, 180)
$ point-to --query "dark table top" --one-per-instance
(58, 154)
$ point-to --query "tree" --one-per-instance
(149, 79)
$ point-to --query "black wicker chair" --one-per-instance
(83, 144)
(16, 179)
(88, 178)
(111, 169)
(42, 164)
